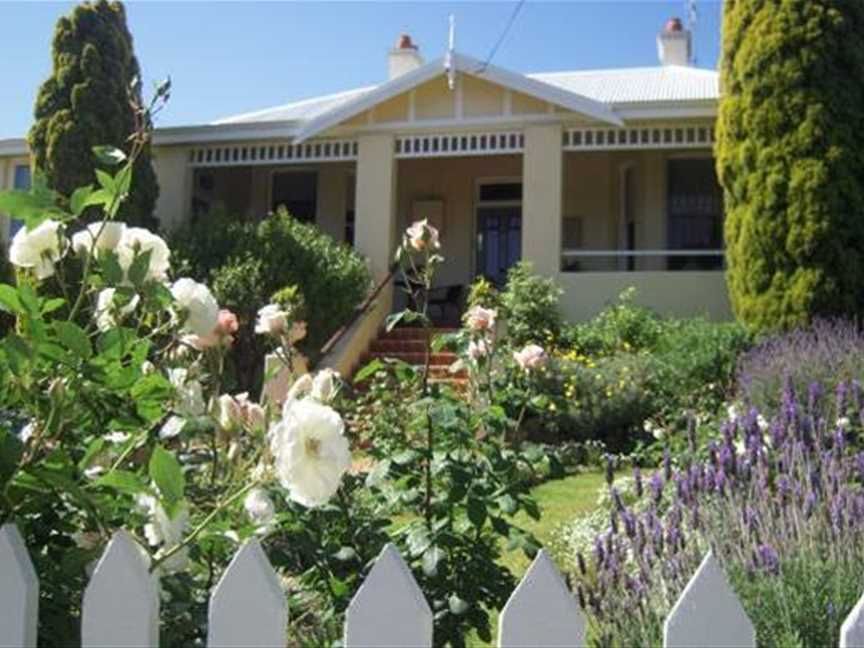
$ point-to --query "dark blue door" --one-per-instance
(499, 239)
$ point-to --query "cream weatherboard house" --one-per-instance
(603, 179)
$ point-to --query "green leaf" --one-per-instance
(165, 471)
(78, 199)
(123, 481)
(51, 305)
(9, 300)
(339, 587)
(345, 554)
(476, 511)
(74, 338)
(106, 180)
(140, 266)
(31, 207)
(111, 268)
(11, 449)
(109, 155)
(418, 540)
(508, 504)
(431, 557)
(368, 371)
(457, 605)
(93, 449)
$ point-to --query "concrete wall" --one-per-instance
(175, 185)
(669, 293)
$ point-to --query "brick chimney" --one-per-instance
(403, 58)
(674, 43)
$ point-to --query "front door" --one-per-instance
(499, 241)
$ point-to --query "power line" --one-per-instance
(501, 38)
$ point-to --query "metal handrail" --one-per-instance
(360, 311)
(640, 253)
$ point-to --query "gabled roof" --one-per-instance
(466, 65)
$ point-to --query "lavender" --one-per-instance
(779, 499)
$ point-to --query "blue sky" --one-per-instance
(231, 57)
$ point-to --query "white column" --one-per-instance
(375, 213)
(174, 176)
(542, 195)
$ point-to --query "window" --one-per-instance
(695, 214)
(21, 181)
(297, 192)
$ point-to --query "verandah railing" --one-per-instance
(247, 607)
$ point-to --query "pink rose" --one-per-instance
(421, 234)
(228, 323)
(477, 349)
(531, 357)
(481, 319)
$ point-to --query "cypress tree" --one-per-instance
(790, 158)
(86, 102)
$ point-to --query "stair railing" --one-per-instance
(360, 311)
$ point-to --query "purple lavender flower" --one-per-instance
(767, 559)
(667, 464)
(629, 523)
(616, 499)
(583, 568)
(656, 484)
(610, 469)
(637, 481)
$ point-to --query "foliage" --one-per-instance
(483, 293)
(86, 102)
(249, 263)
(829, 353)
(530, 305)
(790, 146)
(779, 501)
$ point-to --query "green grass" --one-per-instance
(560, 501)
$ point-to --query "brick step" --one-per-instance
(418, 359)
(412, 333)
(397, 346)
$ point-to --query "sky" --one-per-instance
(226, 58)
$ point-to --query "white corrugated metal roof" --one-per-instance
(669, 83)
(638, 85)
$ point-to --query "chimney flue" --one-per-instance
(403, 58)
(674, 43)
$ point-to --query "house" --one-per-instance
(603, 179)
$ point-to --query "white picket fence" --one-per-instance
(247, 607)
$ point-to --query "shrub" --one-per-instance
(622, 326)
(790, 149)
(249, 263)
(830, 353)
(530, 305)
(778, 500)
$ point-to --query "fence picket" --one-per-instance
(852, 630)
(19, 590)
(121, 602)
(708, 612)
(389, 609)
(541, 611)
(247, 607)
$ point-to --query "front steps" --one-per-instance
(408, 344)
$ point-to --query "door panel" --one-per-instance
(499, 241)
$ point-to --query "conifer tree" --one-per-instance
(88, 101)
(790, 158)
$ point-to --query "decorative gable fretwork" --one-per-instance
(639, 137)
(274, 153)
(459, 144)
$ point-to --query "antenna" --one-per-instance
(449, 63)
(691, 25)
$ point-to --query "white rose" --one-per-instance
(137, 240)
(107, 316)
(481, 319)
(324, 385)
(172, 427)
(272, 320)
(190, 395)
(105, 234)
(39, 248)
(311, 452)
(531, 357)
(259, 507)
(202, 310)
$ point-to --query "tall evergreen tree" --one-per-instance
(790, 157)
(86, 102)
